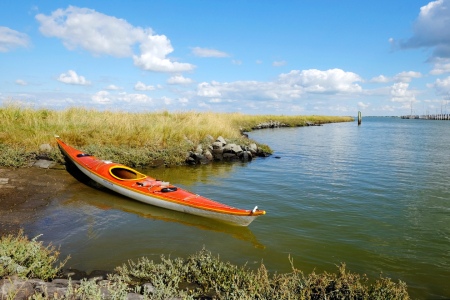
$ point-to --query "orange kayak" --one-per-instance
(133, 184)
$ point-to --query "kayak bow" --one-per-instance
(133, 184)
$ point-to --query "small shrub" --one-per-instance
(28, 258)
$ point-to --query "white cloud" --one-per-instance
(142, 87)
(101, 97)
(205, 52)
(11, 39)
(183, 101)
(203, 104)
(400, 93)
(167, 100)
(112, 87)
(71, 77)
(442, 87)
(400, 77)
(430, 29)
(259, 61)
(100, 34)
(278, 63)
(286, 87)
(20, 82)
(440, 69)
(159, 87)
(215, 100)
(297, 108)
(236, 62)
(363, 106)
(180, 80)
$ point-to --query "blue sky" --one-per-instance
(256, 57)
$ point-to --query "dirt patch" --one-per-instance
(25, 191)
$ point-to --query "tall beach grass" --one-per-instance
(130, 138)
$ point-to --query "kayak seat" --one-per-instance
(125, 173)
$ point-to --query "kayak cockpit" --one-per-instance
(125, 173)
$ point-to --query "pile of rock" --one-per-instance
(221, 149)
(308, 123)
(270, 124)
(60, 289)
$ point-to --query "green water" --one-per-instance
(375, 197)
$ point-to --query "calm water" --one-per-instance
(375, 197)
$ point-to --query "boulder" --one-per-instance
(191, 161)
(210, 138)
(230, 156)
(245, 155)
(199, 149)
(45, 147)
(253, 148)
(74, 274)
(221, 140)
(148, 287)
(217, 151)
(188, 141)
(217, 146)
(156, 163)
(134, 296)
(208, 155)
(210, 147)
(13, 285)
(232, 148)
(218, 157)
(44, 164)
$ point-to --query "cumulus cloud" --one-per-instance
(400, 77)
(180, 80)
(71, 77)
(286, 87)
(278, 63)
(440, 69)
(112, 87)
(442, 87)
(11, 39)
(20, 82)
(363, 106)
(101, 34)
(101, 97)
(142, 87)
(104, 97)
(183, 101)
(430, 29)
(400, 93)
(166, 100)
(236, 62)
(206, 52)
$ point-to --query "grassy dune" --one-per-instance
(130, 138)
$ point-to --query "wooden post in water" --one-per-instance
(359, 118)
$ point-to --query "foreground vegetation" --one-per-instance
(134, 139)
(207, 274)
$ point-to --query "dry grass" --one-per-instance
(161, 133)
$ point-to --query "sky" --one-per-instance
(255, 57)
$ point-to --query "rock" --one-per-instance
(221, 140)
(57, 166)
(61, 282)
(53, 291)
(156, 163)
(134, 296)
(74, 274)
(210, 138)
(191, 161)
(208, 155)
(199, 149)
(232, 148)
(45, 147)
(230, 156)
(210, 147)
(148, 287)
(217, 146)
(244, 148)
(104, 291)
(44, 164)
(263, 154)
(189, 154)
(99, 273)
(277, 157)
(13, 285)
(189, 141)
(244, 135)
(218, 157)
(253, 148)
(245, 155)
(217, 151)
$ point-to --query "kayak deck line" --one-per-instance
(141, 187)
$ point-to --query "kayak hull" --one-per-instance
(244, 218)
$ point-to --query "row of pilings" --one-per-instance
(428, 117)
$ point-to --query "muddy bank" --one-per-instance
(26, 191)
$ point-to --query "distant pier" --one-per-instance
(428, 117)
